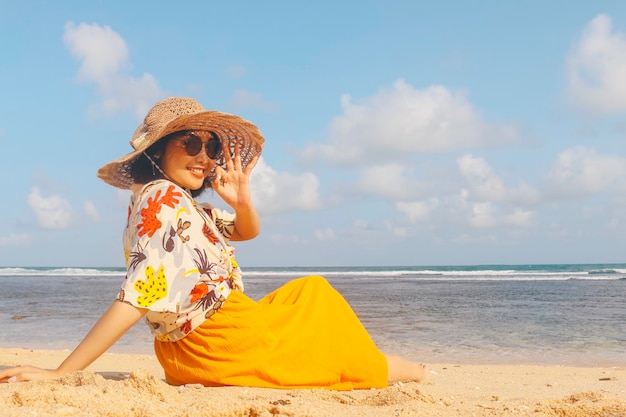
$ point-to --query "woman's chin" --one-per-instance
(190, 182)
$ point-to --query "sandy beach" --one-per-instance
(132, 385)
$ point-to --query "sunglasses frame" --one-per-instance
(212, 147)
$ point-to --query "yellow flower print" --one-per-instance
(154, 287)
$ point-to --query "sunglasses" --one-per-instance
(193, 144)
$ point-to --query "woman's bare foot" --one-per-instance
(403, 370)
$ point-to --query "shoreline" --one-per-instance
(131, 384)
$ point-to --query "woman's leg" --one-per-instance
(401, 369)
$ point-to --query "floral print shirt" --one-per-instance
(179, 264)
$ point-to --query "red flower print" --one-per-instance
(200, 290)
(150, 222)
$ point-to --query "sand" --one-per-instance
(132, 385)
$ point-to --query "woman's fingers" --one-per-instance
(220, 176)
(237, 158)
(251, 165)
(9, 375)
(233, 171)
(232, 161)
(24, 373)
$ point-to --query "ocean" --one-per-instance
(499, 314)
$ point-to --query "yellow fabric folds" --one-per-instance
(303, 335)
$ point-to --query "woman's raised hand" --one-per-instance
(233, 183)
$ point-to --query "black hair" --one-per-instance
(141, 170)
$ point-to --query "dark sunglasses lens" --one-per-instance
(193, 145)
(213, 148)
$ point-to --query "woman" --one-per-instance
(182, 277)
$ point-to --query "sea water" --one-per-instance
(556, 314)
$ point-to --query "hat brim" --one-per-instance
(232, 131)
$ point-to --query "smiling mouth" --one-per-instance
(197, 171)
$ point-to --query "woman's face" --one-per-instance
(185, 170)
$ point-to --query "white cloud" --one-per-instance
(490, 214)
(246, 99)
(521, 218)
(14, 239)
(325, 234)
(102, 51)
(104, 55)
(402, 120)
(483, 215)
(397, 231)
(52, 212)
(582, 171)
(486, 185)
(275, 192)
(596, 68)
(474, 239)
(360, 224)
(91, 211)
(390, 181)
(417, 211)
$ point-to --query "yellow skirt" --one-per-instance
(303, 335)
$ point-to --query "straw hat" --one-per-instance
(175, 114)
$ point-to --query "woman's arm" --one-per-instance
(247, 224)
(108, 329)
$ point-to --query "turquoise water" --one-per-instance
(558, 314)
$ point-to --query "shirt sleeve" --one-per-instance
(224, 220)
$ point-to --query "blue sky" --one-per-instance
(397, 132)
